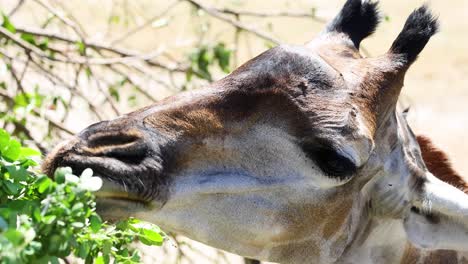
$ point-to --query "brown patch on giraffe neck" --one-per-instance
(439, 164)
(413, 255)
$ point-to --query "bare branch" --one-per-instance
(127, 55)
(62, 18)
(137, 87)
(28, 134)
(145, 24)
(216, 14)
(307, 15)
(54, 78)
(107, 97)
(55, 124)
(16, 8)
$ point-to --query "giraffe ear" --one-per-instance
(420, 26)
(357, 19)
(439, 165)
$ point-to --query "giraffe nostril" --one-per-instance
(112, 139)
(133, 154)
(126, 146)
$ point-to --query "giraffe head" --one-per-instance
(290, 156)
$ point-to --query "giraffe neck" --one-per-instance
(414, 255)
(384, 242)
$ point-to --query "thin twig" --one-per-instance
(145, 24)
(55, 124)
(80, 60)
(236, 44)
(15, 77)
(307, 15)
(16, 8)
(54, 78)
(107, 97)
(216, 14)
(28, 134)
(127, 55)
(137, 87)
(62, 18)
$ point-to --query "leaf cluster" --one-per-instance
(202, 58)
(43, 220)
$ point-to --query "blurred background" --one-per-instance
(67, 64)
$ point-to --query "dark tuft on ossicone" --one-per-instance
(358, 19)
(420, 26)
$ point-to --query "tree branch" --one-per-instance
(145, 24)
(128, 56)
(307, 15)
(55, 124)
(217, 14)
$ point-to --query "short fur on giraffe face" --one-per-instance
(293, 157)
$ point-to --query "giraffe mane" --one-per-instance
(439, 164)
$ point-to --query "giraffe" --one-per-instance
(298, 156)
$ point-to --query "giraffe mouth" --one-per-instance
(114, 191)
(114, 203)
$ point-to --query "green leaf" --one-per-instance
(77, 207)
(4, 140)
(60, 173)
(44, 45)
(114, 92)
(7, 24)
(95, 223)
(99, 260)
(151, 237)
(37, 214)
(13, 151)
(223, 56)
(132, 100)
(106, 248)
(28, 38)
(14, 236)
(18, 173)
(81, 47)
(13, 188)
(83, 250)
(88, 72)
(22, 100)
(28, 152)
(43, 184)
(59, 178)
(49, 219)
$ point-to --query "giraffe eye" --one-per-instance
(330, 161)
(334, 164)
